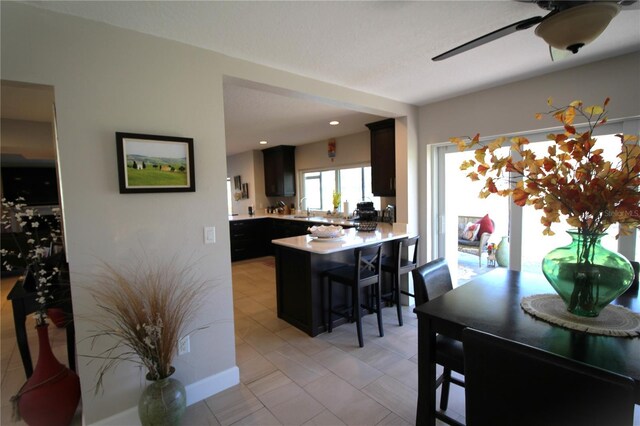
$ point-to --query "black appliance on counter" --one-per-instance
(365, 212)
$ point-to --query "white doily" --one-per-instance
(613, 320)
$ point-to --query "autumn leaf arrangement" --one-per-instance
(573, 179)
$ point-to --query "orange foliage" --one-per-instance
(572, 180)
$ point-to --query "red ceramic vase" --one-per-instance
(56, 315)
(51, 395)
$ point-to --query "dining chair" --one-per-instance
(510, 383)
(398, 265)
(364, 273)
(634, 283)
(431, 280)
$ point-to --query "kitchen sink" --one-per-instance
(312, 218)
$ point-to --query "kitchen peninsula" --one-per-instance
(300, 261)
(251, 235)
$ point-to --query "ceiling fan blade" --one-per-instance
(509, 29)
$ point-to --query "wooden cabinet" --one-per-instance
(251, 238)
(248, 238)
(383, 157)
(284, 229)
(280, 171)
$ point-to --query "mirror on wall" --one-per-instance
(28, 166)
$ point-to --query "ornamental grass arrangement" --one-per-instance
(143, 310)
(573, 180)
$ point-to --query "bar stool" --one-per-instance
(398, 265)
(365, 272)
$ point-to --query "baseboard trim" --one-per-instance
(196, 392)
(211, 385)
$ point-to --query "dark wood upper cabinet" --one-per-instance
(280, 171)
(383, 157)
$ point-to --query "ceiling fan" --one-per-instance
(566, 28)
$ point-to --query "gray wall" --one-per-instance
(512, 107)
(108, 79)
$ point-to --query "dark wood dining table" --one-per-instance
(491, 303)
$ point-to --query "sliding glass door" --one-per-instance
(460, 239)
(457, 198)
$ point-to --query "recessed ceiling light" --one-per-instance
(263, 142)
(334, 122)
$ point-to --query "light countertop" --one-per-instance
(314, 219)
(349, 240)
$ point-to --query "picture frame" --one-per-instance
(237, 181)
(153, 163)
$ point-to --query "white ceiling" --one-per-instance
(379, 47)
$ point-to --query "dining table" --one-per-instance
(491, 303)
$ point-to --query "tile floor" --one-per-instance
(291, 379)
(287, 378)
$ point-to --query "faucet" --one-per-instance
(300, 206)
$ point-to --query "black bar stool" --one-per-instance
(398, 265)
(365, 272)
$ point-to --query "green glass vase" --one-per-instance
(586, 275)
(163, 402)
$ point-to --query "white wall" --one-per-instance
(242, 165)
(108, 79)
(512, 107)
(262, 202)
(350, 149)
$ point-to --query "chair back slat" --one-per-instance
(636, 270)
(367, 260)
(399, 247)
(431, 280)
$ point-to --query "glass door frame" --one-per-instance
(626, 244)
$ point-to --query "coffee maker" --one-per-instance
(365, 212)
(389, 214)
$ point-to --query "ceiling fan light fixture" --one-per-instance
(573, 28)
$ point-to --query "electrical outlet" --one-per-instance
(184, 345)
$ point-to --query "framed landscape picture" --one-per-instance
(148, 163)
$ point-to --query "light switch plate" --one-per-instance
(184, 345)
(209, 234)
